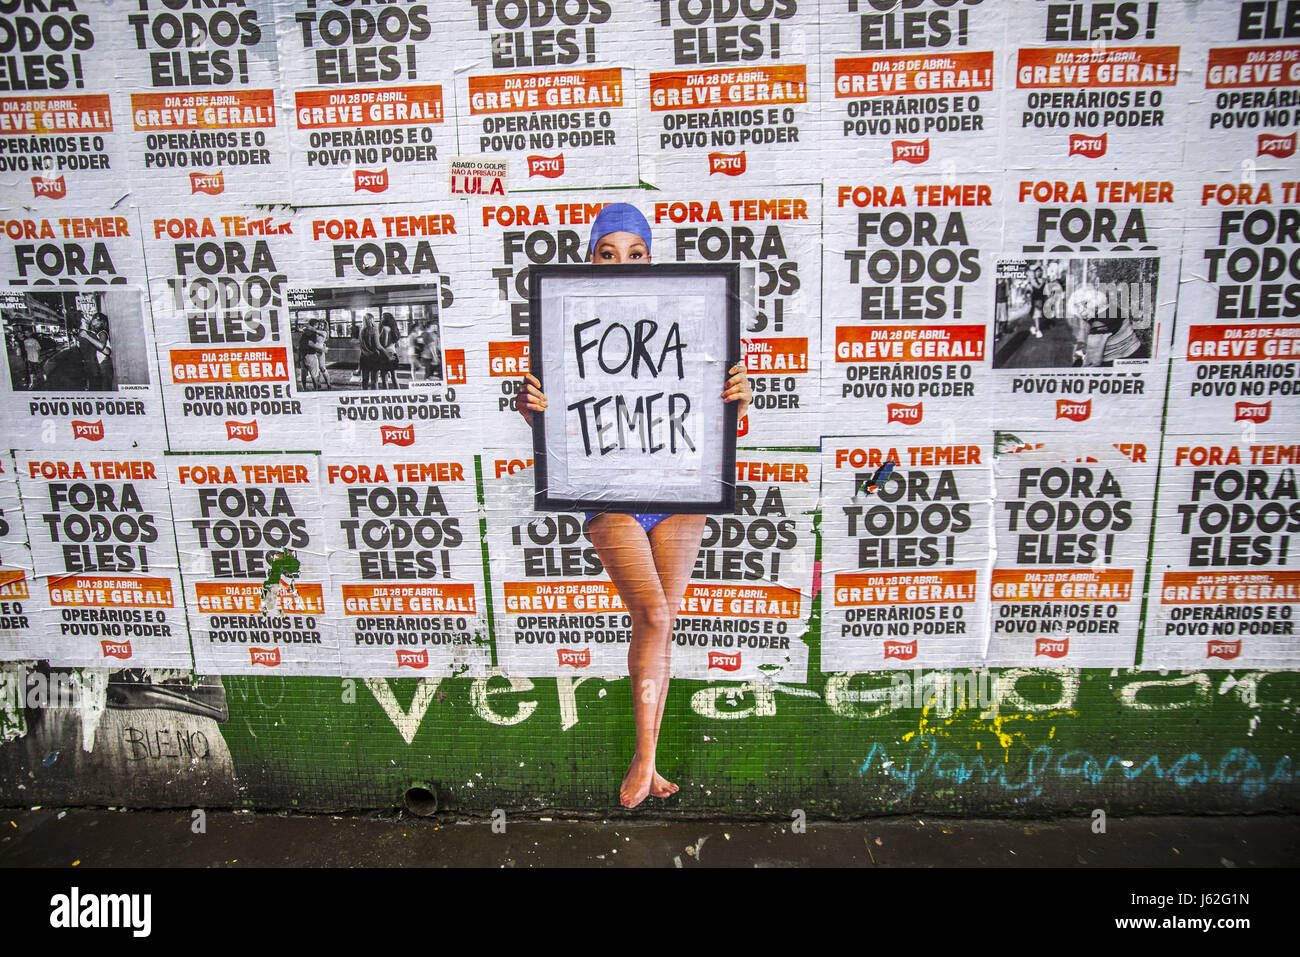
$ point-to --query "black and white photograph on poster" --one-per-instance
(368, 94)
(1062, 313)
(907, 549)
(774, 235)
(203, 88)
(80, 246)
(1072, 517)
(1096, 86)
(251, 542)
(381, 325)
(221, 321)
(634, 361)
(406, 565)
(1224, 590)
(1078, 339)
(1244, 88)
(105, 559)
(80, 366)
(907, 301)
(913, 84)
(366, 338)
(1238, 337)
(60, 136)
(728, 91)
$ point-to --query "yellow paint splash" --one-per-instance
(967, 723)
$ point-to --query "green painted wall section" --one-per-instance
(1060, 741)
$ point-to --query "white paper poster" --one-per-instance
(907, 269)
(1072, 515)
(80, 369)
(1224, 591)
(906, 554)
(727, 93)
(251, 541)
(774, 234)
(406, 565)
(218, 283)
(105, 557)
(380, 329)
(368, 93)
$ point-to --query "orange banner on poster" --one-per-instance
(507, 359)
(741, 601)
(303, 599)
(13, 584)
(38, 115)
(527, 92)
(877, 343)
(1238, 68)
(117, 591)
(1050, 68)
(389, 106)
(1062, 584)
(751, 86)
(1243, 343)
(229, 110)
(409, 599)
(923, 73)
(905, 588)
(229, 365)
(556, 596)
(1229, 588)
(777, 356)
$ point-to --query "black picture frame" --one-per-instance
(722, 498)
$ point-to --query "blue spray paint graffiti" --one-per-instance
(1238, 767)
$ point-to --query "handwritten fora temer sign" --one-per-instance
(626, 367)
(633, 361)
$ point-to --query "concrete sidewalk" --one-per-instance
(80, 837)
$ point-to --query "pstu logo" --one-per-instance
(49, 188)
(265, 656)
(1227, 650)
(94, 431)
(724, 662)
(1052, 647)
(412, 659)
(575, 659)
(1089, 146)
(731, 164)
(116, 649)
(1074, 411)
(1254, 411)
(907, 414)
(244, 431)
(902, 650)
(1280, 146)
(210, 183)
(909, 152)
(75, 910)
(548, 166)
(393, 435)
(370, 182)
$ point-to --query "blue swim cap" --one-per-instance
(618, 218)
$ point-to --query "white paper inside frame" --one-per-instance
(650, 460)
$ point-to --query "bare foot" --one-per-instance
(636, 784)
(661, 787)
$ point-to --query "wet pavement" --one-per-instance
(82, 837)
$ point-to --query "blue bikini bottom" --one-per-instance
(647, 522)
